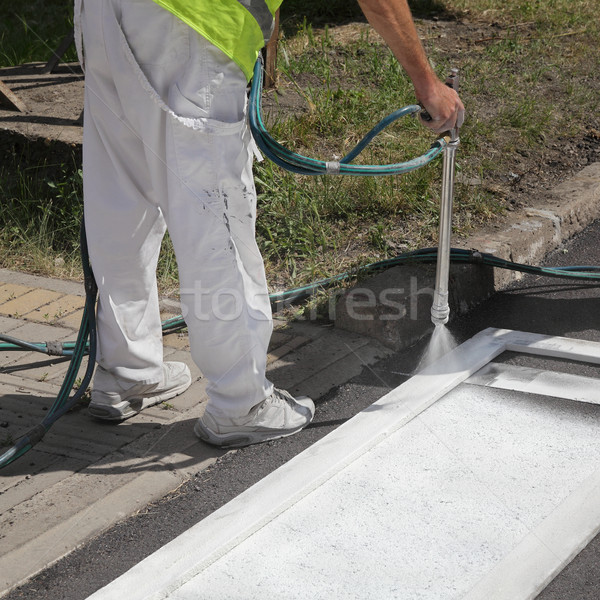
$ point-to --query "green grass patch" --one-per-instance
(42, 210)
(40, 217)
(30, 31)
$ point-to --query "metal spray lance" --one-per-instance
(440, 310)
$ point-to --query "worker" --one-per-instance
(166, 145)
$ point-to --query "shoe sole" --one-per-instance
(129, 408)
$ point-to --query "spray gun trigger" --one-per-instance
(425, 115)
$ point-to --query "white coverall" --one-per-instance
(167, 145)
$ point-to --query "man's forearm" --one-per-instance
(393, 20)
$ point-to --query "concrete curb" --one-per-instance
(35, 281)
(529, 236)
(393, 307)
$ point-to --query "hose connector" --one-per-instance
(440, 309)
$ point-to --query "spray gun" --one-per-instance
(440, 310)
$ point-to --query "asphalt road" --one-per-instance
(534, 304)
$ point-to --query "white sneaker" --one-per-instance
(277, 416)
(115, 401)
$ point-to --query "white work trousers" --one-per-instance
(167, 145)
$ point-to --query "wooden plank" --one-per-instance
(59, 53)
(271, 56)
(9, 97)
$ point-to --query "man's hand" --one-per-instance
(444, 107)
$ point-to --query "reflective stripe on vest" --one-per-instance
(240, 28)
(260, 10)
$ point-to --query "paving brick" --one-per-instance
(180, 341)
(311, 358)
(59, 370)
(33, 333)
(319, 383)
(7, 324)
(279, 351)
(47, 469)
(39, 367)
(8, 358)
(278, 338)
(9, 291)
(73, 321)
(39, 332)
(56, 310)
(11, 327)
(167, 314)
(28, 302)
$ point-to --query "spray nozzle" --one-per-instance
(440, 310)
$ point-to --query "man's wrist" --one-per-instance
(425, 84)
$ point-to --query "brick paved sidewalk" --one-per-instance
(86, 475)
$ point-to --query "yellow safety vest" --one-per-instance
(240, 28)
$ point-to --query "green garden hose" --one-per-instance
(63, 402)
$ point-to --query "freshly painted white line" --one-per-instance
(555, 346)
(427, 512)
(168, 569)
(545, 551)
(537, 381)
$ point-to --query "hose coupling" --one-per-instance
(440, 310)
(54, 348)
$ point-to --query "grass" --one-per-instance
(311, 227)
(528, 80)
(41, 217)
(40, 220)
(30, 31)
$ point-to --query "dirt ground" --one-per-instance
(532, 172)
(54, 102)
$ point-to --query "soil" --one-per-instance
(54, 102)
(50, 132)
(532, 172)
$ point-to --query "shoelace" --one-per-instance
(285, 396)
